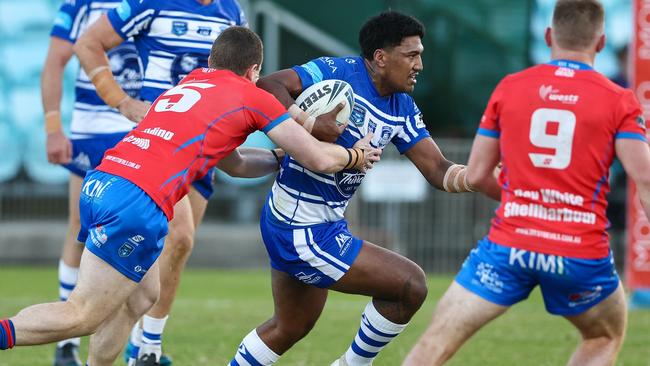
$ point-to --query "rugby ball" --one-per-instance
(323, 96)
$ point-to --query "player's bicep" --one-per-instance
(103, 33)
(285, 85)
(59, 52)
(635, 156)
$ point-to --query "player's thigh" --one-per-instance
(295, 301)
(199, 203)
(181, 227)
(74, 190)
(101, 289)
(381, 273)
(606, 319)
(460, 313)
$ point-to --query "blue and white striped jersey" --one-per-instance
(91, 115)
(173, 37)
(300, 197)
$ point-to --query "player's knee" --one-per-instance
(415, 288)
(181, 243)
(293, 331)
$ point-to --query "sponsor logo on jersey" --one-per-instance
(547, 263)
(550, 94)
(125, 250)
(347, 181)
(125, 66)
(351, 61)
(179, 27)
(184, 64)
(157, 131)
(98, 236)
(139, 269)
(489, 278)
(565, 72)
(372, 126)
(358, 116)
(419, 121)
(585, 297)
(121, 161)
(641, 121)
(204, 31)
(140, 142)
(386, 133)
(309, 279)
(343, 240)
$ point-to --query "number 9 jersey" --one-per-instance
(557, 124)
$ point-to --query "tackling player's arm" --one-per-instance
(321, 156)
(91, 50)
(59, 148)
(285, 85)
(635, 156)
(251, 162)
(483, 161)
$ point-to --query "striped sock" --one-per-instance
(253, 352)
(152, 330)
(7, 334)
(374, 334)
(67, 281)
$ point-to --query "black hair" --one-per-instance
(387, 30)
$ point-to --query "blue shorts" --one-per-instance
(505, 276)
(121, 224)
(204, 185)
(318, 255)
(87, 153)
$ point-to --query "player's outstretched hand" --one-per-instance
(134, 109)
(59, 148)
(326, 128)
(371, 155)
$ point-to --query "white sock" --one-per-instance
(152, 330)
(67, 281)
(373, 335)
(136, 342)
(253, 351)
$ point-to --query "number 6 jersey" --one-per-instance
(557, 124)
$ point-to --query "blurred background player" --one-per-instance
(555, 127)
(172, 37)
(127, 201)
(303, 224)
(95, 127)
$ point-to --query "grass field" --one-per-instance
(215, 309)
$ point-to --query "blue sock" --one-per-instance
(7, 334)
(253, 352)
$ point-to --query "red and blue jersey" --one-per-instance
(557, 124)
(188, 129)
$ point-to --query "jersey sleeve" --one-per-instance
(132, 17)
(413, 130)
(266, 111)
(241, 17)
(629, 118)
(322, 68)
(68, 20)
(489, 125)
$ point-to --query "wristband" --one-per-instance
(107, 88)
(355, 158)
(277, 158)
(455, 180)
(52, 122)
